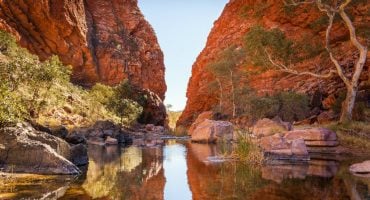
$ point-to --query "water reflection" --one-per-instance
(175, 168)
(184, 170)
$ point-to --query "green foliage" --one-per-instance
(256, 10)
(121, 104)
(101, 93)
(289, 106)
(258, 41)
(30, 89)
(293, 106)
(12, 109)
(320, 23)
(289, 9)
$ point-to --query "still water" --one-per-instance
(182, 171)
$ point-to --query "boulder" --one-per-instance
(312, 134)
(326, 117)
(201, 118)
(111, 141)
(279, 148)
(210, 131)
(267, 127)
(79, 155)
(361, 168)
(26, 150)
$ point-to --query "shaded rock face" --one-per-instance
(235, 22)
(23, 149)
(104, 41)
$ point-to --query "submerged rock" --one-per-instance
(26, 150)
(210, 131)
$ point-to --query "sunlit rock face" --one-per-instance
(104, 41)
(237, 19)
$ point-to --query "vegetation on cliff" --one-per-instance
(42, 91)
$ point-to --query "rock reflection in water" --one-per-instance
(122, 173)
(281, 171)
(185, 171)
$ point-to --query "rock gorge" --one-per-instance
(303, 23)
(104, 41)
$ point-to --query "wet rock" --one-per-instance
(361, 168)
(210, 131)
(201, 118)
(267, 127)
(79, 155)
(26, 150)
(111, 141)
(75, 138)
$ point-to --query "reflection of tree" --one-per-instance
(124, 175)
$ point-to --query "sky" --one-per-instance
(182, 28)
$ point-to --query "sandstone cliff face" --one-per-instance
(104, 41)
(298, 23)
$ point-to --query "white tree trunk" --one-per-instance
(221, 93)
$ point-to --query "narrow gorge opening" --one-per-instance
(211, 99)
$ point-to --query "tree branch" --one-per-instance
(289, 70)
(297, 3)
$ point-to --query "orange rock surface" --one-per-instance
(298, 24)
(104, 41)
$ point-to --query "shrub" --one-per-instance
(289, 106)
(293, 106)
(127, 109)
(101, 93)
(259, 40)
(12, 109)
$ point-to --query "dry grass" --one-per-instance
(354, 135)
(247, 150)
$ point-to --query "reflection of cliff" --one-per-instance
(131, 173)
(218, 181)
(235, 180)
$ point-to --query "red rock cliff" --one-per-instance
(237, 19)
(104, 40)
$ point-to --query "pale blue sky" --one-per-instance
(182, 28)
